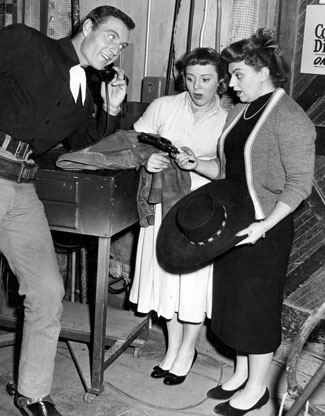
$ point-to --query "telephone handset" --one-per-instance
(95, 76)
(108, 73)
(95, 79)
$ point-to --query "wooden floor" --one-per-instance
(129, 389)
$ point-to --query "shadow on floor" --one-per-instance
(129, 390)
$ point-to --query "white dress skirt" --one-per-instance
(154, 289)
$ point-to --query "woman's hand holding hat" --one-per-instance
(254, 232)
(203, 225)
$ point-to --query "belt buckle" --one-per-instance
(26, 173)
(22, 150)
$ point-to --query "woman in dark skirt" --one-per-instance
(267, 145)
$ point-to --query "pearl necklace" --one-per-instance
(197, 109)
(260, 109)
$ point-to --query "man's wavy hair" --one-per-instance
(101, 13)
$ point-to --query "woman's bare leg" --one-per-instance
(259, 367)
(184, 359)
(240, 373)
(182, 338)
(175, 337)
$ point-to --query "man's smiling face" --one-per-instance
(103, 45)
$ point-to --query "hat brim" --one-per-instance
(177, 255)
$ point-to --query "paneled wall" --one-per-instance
(10, 12)
(151, 39)
(152, 36)
(154, 23)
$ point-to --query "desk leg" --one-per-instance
(99, 333)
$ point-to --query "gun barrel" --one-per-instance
(160, 142)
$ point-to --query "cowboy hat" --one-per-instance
(203, 225)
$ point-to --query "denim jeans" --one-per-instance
(26, 242)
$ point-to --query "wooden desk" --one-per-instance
(100, 204)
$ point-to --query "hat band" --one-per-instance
(214, 236)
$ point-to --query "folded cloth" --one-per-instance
(121, 150)
(165, 187)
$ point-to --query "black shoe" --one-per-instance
(226, 409)
(36, 407)
(158, 372)
(173, 379)
(219, 393)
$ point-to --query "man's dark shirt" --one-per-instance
(36, 104)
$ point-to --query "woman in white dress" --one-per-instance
(193, 121)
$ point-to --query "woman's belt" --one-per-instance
(17, 171)
(21, 150)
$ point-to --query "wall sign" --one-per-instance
(313, 49)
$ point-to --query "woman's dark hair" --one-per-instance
(101, 13)
(260, 50)
(205, 56)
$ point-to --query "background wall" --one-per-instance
(307, 89)
(151, 38)
(214, 24)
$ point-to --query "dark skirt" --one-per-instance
(248, 289)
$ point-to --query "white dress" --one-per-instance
(153, 288)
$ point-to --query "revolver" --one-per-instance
(160, 142)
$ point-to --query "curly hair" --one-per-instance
(205, 56)
(260, 50)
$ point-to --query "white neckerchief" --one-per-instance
(77, 82)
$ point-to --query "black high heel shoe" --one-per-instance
(226, 409)
(172, 379)
(158, 372)
(219, 393)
